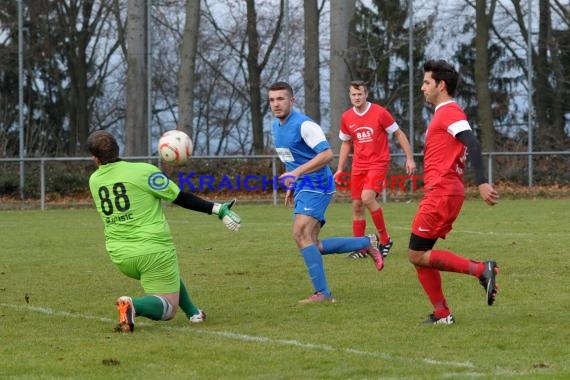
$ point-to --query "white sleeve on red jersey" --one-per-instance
(392, 128)
(458, 126)
(343, 131)
(454, 117)
(386, 118)
(343, 136)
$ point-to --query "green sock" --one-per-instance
(185, 302)
(151, 307)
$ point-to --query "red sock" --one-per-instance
(378, 219)
(430, 278)
(450, 262)
(358, 227)
(358, 230)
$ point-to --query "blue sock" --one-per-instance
(314, 263)
(344, 244)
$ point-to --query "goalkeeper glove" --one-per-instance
(230, 219)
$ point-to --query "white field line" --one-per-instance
(408, 228)
(507, 233)
(248, 338)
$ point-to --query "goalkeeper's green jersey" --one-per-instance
(128, 197)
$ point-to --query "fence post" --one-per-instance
(274, 172)
(490, 167)
(42, 184)
(530, 179)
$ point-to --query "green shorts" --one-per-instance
(157, 272)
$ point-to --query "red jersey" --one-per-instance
(444, 155)
(369, 134)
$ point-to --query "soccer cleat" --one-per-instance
(126, 314)
(374, 252)
(385, 248)
(317, 297)
(198, 318)
(488, 280)
(358, 255)
(433, 320)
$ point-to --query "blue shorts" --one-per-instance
(312, 203)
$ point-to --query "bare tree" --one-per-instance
(341, 26)
(312, 67)
(254, 69)
(255, 66)
(78, 34)
(69, 47)
(483, 21)
(136, 127)
(550, 72)
(187, 65)
(243, 55)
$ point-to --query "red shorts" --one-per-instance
(436, 214)
(374, 179)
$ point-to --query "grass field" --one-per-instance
(57, 292)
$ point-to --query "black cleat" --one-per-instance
(433, 320)
(487, 280)
(385, 248)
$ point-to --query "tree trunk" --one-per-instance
(79, 90)
(555, 129)
(559, 96)
(542, 94)
(136, 126)
(187, 64)
(311, 70)
(548, 104)
(342, 17)
(79, 108)
(254, 71)
(484, 109)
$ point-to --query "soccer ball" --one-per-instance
(175, 147)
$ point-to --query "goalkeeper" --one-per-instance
(128, 197)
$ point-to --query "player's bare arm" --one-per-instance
(406, 147)
(345, 149)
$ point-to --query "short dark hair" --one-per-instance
(359, 84)
(277, 86)
(443, 71)
(102, 145)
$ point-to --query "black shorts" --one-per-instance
(422, 244)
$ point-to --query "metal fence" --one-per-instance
(53, 177)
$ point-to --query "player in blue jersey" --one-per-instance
(305, 151)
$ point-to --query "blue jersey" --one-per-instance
(297, 141)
